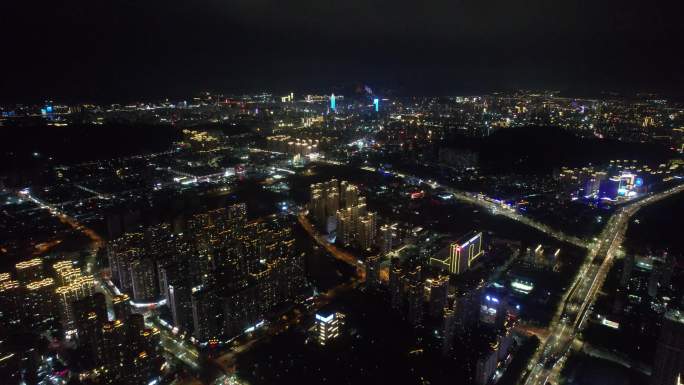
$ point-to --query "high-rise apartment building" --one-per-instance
(668, 364)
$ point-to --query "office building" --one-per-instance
(327, 327)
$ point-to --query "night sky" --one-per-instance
(119, 50)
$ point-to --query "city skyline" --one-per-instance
(259, 192)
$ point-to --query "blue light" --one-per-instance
(48, 108)
(639, 181)
(376, 103)
(332, 102)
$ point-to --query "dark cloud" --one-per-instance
(125, 48)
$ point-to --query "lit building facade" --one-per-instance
(327, 327)
(462, 254)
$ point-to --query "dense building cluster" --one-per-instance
(218, 277)
(184, 281)
(293, 146)
(120, 349)
(339, 208)
(124, 350)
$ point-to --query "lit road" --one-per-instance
(182, 350)
(571, 315)
(492, 205)
(96, 240)
(332, 249)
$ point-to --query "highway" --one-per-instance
(570, 318)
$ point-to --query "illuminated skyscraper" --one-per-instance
(386, 239)
(327, 327)
(669, 359)
(373, 271)
(332, 102)
(79, 288)
(366, 230)
(396, 280)
(122, 252)
(345, 227)
(317, 206)
(376, 104)
(143, 279)
(325, 201)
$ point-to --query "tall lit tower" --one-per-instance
(376, 104)
(332, 102)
